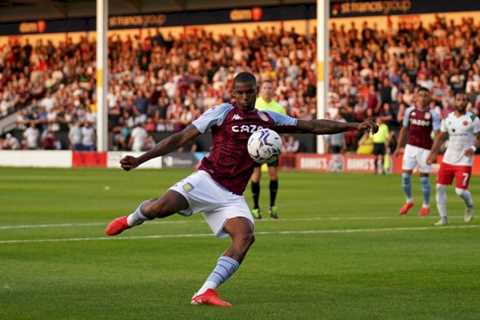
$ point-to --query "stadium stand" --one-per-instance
(162, 82)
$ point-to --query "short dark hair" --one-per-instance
(422, 88)
(245, 77)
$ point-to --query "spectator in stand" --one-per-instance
(290, 144)
(31, 136)
(88, 137)
(10, 143)
(75, 136)
(49, 142)
(138, 138)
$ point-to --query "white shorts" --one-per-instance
(216, 203)
(416, 157)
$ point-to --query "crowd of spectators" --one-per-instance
(160, 83)
(374, 72)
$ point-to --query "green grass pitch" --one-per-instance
(339, 251)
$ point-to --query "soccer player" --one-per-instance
(216, 188)
(463, 130)
(265, 102)
(418, 124)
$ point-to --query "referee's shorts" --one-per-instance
(273, 164)
(379, 149)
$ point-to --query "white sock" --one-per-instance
(207, 285)
(442, 200)
(224, 269)
(136, 217)
(466, 196)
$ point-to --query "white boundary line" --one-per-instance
(97, 224)
(203, 235)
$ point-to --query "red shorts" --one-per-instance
(462, 175)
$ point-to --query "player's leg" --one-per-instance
(425, 170)
(462, 180)
(241, 232)
(255, 185)
(426, 190)
(409, 162)
(407, 190)
(378, 153)
(441, 198)
(170, 203)
(380, 167)
(381, 158)
(273, 172)
(444, 179)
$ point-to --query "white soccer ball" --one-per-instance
(264, 145)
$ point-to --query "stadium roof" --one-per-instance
(21, 10)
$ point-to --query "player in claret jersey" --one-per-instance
(463, 131)
(418, 124)
(216, 188)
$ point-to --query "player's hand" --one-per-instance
(369, 125)
(469, 152)
(431, 159)
(397, 152)
(128, 163)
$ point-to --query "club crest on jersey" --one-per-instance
(250, 128)
(187, 187)
(263, 116)
(465, 123)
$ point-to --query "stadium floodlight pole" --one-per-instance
(102, 75)
(323, 14)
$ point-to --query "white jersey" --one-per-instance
(139, 135)
(88, 136)
(462, 133)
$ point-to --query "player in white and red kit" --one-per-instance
(463, 131)
(418, 124)
(216, 188)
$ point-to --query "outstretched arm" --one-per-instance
(167, 145)
(321, 126)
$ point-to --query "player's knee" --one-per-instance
(441, 187)
(245, 240)
(251, 238)
(406, 175)
(459, 191)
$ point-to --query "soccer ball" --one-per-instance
(264, 145)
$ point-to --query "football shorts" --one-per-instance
(447, 172)
(216, 203)
(416, 157)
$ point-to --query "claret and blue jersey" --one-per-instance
(229, 163)
(420, 124)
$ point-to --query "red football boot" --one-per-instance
(425, 211)
(404, 209)
(117, 226)
(210, 297)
